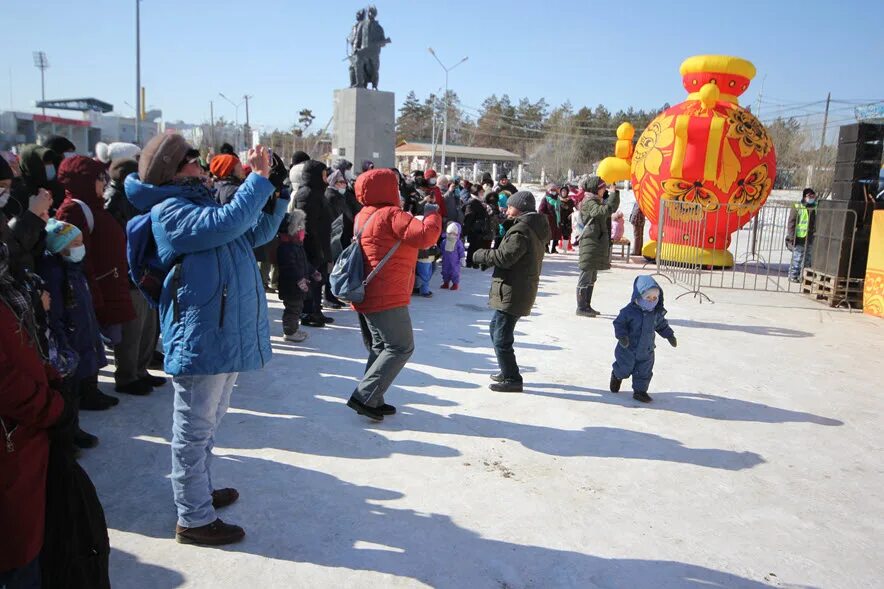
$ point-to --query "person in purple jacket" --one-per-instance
(453, 254)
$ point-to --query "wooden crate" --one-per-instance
(835, 291)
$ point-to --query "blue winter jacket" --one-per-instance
(640, 326)
(213, 312)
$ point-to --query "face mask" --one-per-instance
(301, 235)
(341, 190)
(4, 197)
(50, 172)
(349, 175)
(69, 155)
(77, 254)
(647, 305)
(433, 182)
(811, 202)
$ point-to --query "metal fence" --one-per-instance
(760, 250)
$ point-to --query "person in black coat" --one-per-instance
(295, 274)
(115, 201)
(344, 206)
(310, 198)
(477, 224)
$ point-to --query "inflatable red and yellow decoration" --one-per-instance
(707, 150)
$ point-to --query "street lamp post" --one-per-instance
(236, 111)
(138, 72)
(445, 120)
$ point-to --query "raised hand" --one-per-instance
(259, 160)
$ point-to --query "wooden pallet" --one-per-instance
(835, 291)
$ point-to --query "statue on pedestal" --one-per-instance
(365, 42)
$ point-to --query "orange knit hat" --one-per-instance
(223, 165)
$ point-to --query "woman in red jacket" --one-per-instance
(28, 407)
(385, 307)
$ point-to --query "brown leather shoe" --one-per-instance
(224, 497)
(216, 533)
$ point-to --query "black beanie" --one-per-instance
(299, 157)
(5, 169)
(226, 149)
(59, 144)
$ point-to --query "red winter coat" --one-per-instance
(29, 405)
(437, 192)
(378, 190)
(105, 263)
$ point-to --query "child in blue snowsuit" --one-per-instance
(635, 329)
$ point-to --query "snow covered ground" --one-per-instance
(757, 465)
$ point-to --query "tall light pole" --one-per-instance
(247, 131)
(138, 71)
(445, 122)
(42, 63)
(236, 110)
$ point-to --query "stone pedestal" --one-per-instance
(365, 127)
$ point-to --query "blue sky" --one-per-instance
(288, 54)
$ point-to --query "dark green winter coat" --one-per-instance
(595, 241)
(517, 264)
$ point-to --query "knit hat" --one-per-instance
(223, 165)
(101, 152)
(342, 164)
(121, 168)
(367, 165)
(593, 184)
(59, 144)
(161, 158)
(298, 157)
(226, 149)
(60, 234)
(119, 151)
(297, 221)
(523, 200)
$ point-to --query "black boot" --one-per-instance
(615, 383)
(84, 440)
(642, 396)
(506, 386)
(583, 297)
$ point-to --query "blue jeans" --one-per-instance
(800, 259)
(501, 328)
(200, 403)
(424, 274)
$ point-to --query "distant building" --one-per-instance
(20, 128)
(419, 156)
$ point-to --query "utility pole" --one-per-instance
(248, 130)
(138, 72)
(212, 122)
(825, 125)
(445, 120)
(41, 62)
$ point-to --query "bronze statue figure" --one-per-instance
(365, 42)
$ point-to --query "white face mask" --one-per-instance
(77, 254)
(4, 197)
(341, 190)
(432, 182)
(69, 155)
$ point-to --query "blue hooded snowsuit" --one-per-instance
(221, 321)
(640, 327)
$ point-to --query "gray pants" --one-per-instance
(392, 343)
(135, 350)
(587, 278)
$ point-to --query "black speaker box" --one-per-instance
(836, 225)
(860, 152)
(860, 132)
(855, 191)
(835, 258)
(867, 171)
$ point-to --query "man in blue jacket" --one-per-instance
(212, 310)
